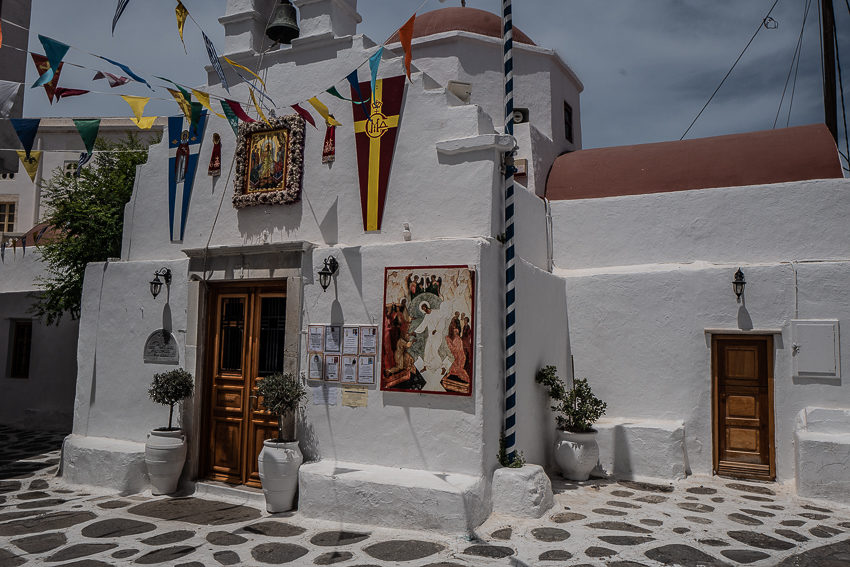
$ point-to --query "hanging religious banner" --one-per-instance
(375, 137)
(269, 162)
(329, 149)
(214, 169)
(184, 145)
(428, 324)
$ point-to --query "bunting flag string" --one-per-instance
(137, 103)
(125, 69)
(54, 51)
(42, 65)
(204, 99)
(88, 131)
(405, 36)
(374, 62)
(114, 80)
(8, 92)
(122, 4)
(30, 161)
(354, 81)
(259, 110)
(184, 103)
(40, 234)
(181, 12)
(323, 111)
(237, 110)
(215, 62)
(304, 114)
(26, 129)
(62, 92)
(231, 116)
(244, 68)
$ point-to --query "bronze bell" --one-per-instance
(284, 25)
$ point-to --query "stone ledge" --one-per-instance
(641, 449)
(105, 463)
(392, 497)
(525, 492)
(822, 451)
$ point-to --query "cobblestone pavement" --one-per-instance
(698, 522)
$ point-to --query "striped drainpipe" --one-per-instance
(510, 272)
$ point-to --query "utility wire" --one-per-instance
(758, 29)
(794, 58)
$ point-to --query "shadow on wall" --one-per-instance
(622, 454)
(259, 222)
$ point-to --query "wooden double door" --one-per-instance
(245, 342)
(742, 368)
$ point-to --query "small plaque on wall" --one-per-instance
(161, 348)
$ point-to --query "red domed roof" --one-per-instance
(754, 158)
(470, 20)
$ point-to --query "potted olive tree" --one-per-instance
(576, 409)
(280, 458)
(165, 449)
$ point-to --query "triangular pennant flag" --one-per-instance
(42, 65)
(55, 51)
(184, 145)
(26, 129)
(405, 36)
(204, 99)
(181, 12)
(323, 110)
(144, 123)
(231, 116)
(8, 91)
(184, 103)
(62, 92)
(355, 88)
(304, 114)
(249, 83)
(24, 244)
(137, 103)
(237, 110)
(215, 62)
(114, 80)
(374, 63)
(259, 110)
(84, 159)
(88, 131)
(197, 109)
(375, 136)
(127, 70)
(334, 92)
(118, 11)
(30, 161)
(244, 68)
(40, 234)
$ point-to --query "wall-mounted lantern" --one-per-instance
(738, 284)
(327, 272)
(156, 283)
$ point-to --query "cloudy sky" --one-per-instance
(648, 66)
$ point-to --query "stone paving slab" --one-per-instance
(700, 521)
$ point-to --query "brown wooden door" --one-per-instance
(245, 342)
(742, 368)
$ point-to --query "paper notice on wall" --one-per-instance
(349, 369)
(332, 368)
(355, 396)
(315, 338)
(315, 366)
(369, 339)
(366, 370)
(324, 395)
(333, 338)
(351, 340)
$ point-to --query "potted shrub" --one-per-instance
(165, 449)
(576, 409)
(280, 458)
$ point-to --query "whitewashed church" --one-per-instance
(626, 258)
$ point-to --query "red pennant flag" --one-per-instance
(63, 92)
(42, 65)
(304, 114)
(237, 110)
(405, 36)
(114, 80)
(375, 136)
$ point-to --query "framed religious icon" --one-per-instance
(269, 162)
(428, 330)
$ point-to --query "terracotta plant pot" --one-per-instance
(576, 453)
(278, 465)
(165, 455)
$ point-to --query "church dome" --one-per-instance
(470, 20)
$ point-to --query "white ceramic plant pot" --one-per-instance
(576, 453)
(165, 455)
(278, 466)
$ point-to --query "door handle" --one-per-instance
(252, 404)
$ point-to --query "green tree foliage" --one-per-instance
(89, 212)
(170, 387)
(576, 408)
(281, 393)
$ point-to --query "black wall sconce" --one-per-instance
(738, 284)
(327, 272)
(156, 284)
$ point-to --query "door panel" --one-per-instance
(743, 412)
(246, 342)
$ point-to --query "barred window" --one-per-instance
(7, 217)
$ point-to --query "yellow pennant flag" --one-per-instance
(323, 110)
(259, 110)
(181, 12)
(184, 104)
(204, 98)
(244, 68)
(30, 163)
(137, 103)
(145, 122)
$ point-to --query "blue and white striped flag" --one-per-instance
(118, 11)
(84, 159)
(215, 62)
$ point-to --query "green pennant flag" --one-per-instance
(231, 116)
(88, 131)
(183, 91)
(197, 108)
(335, 93)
